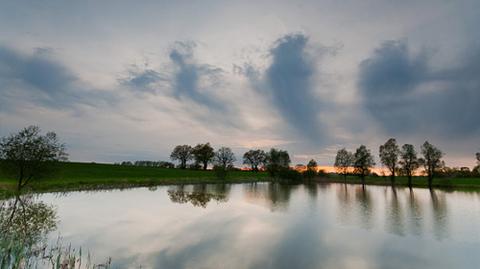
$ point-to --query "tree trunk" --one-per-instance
(205, 164)
(410, 181)
(430, 179)
(345, 178)
(20, 179)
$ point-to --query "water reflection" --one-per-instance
(414, 213)
(345, 203)
(295, 226)
(395, 214)
(275, 195)
(440, 220)
(364, 203)
(24, 225)
(200, 195)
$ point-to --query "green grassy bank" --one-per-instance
(84, 176)
(418, 182)
(90, 176)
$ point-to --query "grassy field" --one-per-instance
(457, 183)
(79, 176)
(89, 176)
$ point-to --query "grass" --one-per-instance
(84, 176)
(91, 176)
(418, 182)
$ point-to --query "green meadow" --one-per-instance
(90, 176)
(86, 176)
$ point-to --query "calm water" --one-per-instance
(266, 225)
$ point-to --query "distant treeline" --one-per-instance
(28, 155)
(160, 164)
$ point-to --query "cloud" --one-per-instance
(43, 81)
(145, 81)
(287, 81)
(193, 81)
(405, 94)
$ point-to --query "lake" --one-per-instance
(267, 225)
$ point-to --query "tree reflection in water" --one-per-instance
(364, 201)
(275, 195)
(200, 195)
(345, 204)
(24, 225)
(395, 214)
(415, 213)
(439, 208)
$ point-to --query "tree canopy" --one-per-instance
(203, 154)
(182, 153)
(343, 161)
(276, 161)
(363, 162)
(389, 156)
(432, 160)
(409, 161)
(254, 158)
(28, 155)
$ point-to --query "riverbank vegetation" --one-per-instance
(40, 161)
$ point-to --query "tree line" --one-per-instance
(159, 164)
(29, 155)
(398, 160)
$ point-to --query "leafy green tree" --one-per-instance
(223, 161)
(277, 161)
(343, 161)
(409, 162)
(203, 154)
(28, 155)
(432, 160)
(182, 153)
(254, 158)
(389, 156)
(363, 162)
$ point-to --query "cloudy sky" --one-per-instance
(128, 80)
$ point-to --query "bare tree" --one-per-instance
(432, 160)
(28, 155)
(343, 162)
(203, 153)
(478, 157)
(363, 162)
(409, 162)
(389, 156)
(254, 158)
(182, 153)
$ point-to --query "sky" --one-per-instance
(129, 80)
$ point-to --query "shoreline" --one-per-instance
(92, 176)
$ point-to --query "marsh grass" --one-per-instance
(15, 254)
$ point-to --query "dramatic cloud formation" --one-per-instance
(147, 80)
(187, 80)
(43, 81)
(406, 95)
(288, 83)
